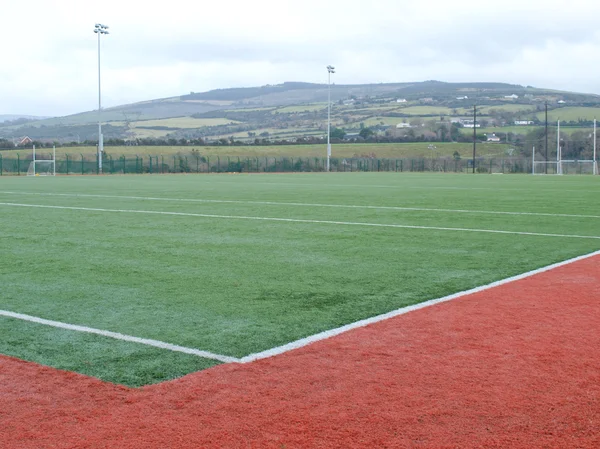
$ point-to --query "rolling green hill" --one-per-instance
(296, 110)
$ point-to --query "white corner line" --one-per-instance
(292, 345)
(362, 323)
(122, 337)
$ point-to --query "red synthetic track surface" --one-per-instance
(515, 366)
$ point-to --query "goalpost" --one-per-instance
(565, 166)
(543, 167)
(42, 167)
(578, 167)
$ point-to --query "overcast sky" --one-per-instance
(160, 49)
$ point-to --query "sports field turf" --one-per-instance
(239, 264)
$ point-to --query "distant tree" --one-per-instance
(416, 122)
(338, 133)
(365, 133)
(455, 133)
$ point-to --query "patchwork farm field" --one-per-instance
(219, 268)
(380, 150)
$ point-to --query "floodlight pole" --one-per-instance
(546, 150)
(330, 70)
(474, 134)
(595, 170)
(100, 29)
(558, 155)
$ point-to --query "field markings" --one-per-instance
(119, 336)
(295, 344)
(300, 220)
(283, 203)
(362, 323)
(387, 186)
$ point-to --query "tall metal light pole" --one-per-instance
(546, 150)
(595, 169)
(100, 29)
(330, 70)
(474, 134)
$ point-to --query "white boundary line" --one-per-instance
(279, 203)
(388, 186)
(295, 344)
(118, 336)
(299, 220)
(362, 323)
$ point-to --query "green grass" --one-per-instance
(571, 114)
(392, 121)
(485, 110)
(524, 130)
(184, 122)
(239, 286)
(302, 108)
(426, 110)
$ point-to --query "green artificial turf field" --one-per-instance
(238, 264)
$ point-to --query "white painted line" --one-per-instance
(388, 186)
(118, 336)
(279, 203)
(340, 330)
(299, 220)
(295, 344)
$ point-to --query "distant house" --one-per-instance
(349, 101)
(403, 125)
(561, 101)
(462, 98)
(426, 100)
(511, 97)
(23, 141)
(523, 122)
(492, 138)
(401, 100)
(470, 124)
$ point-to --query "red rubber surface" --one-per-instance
(516, 366)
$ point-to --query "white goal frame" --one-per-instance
(593, 170)
(543, 164)
(32, 171)
(558, 166)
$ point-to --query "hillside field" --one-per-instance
(380, 150)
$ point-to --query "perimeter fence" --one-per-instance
(68, 164)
